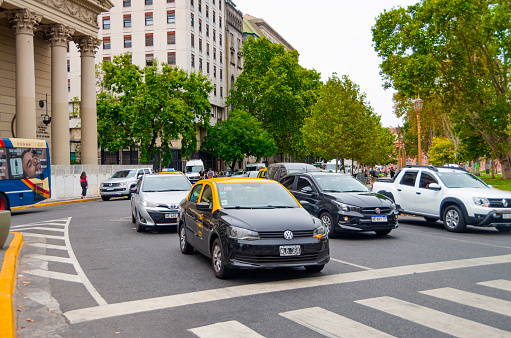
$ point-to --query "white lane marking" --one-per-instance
(331, 324)
(440, 321)
(41, 228)
(55, 275)
(48, 246)
(51, 258)
(86, 282)
(35, 225)
(455, 239)
(158, 303)
(501, 284)
(28, 234)
(491, 304)
(352, 264)
(226, 329)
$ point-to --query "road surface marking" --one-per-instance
(501, 284)
(28, 234)
(51, 258)
(33, 226)
(491, 304)
(48, 246)
(226, 329)
(331, 324)
(173, 301)
(55, 275)
(440, 321)
(455, 239)
(348, 263)
(41, 228)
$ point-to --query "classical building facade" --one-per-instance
(256, 28)
(34, 35)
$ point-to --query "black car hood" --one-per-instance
(361, 199)
(270, 219)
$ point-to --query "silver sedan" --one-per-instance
(156, 198)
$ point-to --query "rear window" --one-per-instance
(124, 174)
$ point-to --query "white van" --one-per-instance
(255, 166)
(193, 167)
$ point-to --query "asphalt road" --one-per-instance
(85, 272)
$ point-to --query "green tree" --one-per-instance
(276, 89)
(458, 51)
(151, 107)
(442, 151)
(240, 136)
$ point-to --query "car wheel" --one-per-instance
(218, 261)
(383, 232)
(4, 203)
(105, 198)
(139, 227)
(431, 219)
(186, 248)
(328, 222)
(133, 219)
(503, 229)
(453, 219)
(314, 268)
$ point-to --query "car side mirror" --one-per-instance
(133, 189)
(434, 186)
(203, 206)
(307, 190)
(305, 204)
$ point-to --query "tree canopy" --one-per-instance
(442, 151)
(151, 107)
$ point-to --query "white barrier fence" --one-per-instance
(65, 179)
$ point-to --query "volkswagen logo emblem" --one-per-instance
(377, 210)
(288, 235)
(504, 203)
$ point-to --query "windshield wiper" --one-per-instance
(354, 191)
(280, 206)
(238, 207)
(332, 190)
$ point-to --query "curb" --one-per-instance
(7, 286)
(56, 203)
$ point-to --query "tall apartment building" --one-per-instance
(194, 35)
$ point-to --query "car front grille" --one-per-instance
(159, 218)
(260, 259)
(110, 185)
(371, 211)
(280, 234)
(498, 202)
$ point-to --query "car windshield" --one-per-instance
(251, 195)
(124, 174)
(166, 183)
(457, 179)
(339, 183)
(193, 168)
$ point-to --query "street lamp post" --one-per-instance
(417, 106)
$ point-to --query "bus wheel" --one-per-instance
(4, 202)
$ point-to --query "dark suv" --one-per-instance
(343, 203)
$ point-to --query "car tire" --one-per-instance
(453, 219)
(139, 227)
(4, 202)
(430, 219)
(185, 247)
(503, 229)
(105, 198)
(314, 268)
(328, 222)
(133, 219)
(383, 232)
(218, 261)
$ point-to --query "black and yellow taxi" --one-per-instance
(250, 223)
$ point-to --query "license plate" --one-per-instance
(379, 218)
(174, 215)
(290, 250)
(506, 216)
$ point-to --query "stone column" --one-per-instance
(24, 24)
(59, 35)
(87, 46)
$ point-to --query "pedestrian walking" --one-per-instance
(84, 184)
(392, 172)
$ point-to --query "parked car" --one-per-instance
(155, 200)
(451, 194)
(255, 166)
(249, 223)
(343, 203)
(121, 182)
(276, 171)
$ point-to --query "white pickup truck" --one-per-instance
(453, 195)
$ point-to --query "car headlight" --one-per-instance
(148, 204)
(392, 206)
(240, 233)
(481, 201)
(122, 184)
(347, 207)
(320, 231)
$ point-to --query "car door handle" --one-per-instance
(418, 193)
(398, 189)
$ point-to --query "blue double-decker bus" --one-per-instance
(24, 172)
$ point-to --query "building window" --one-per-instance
(171, 38)
(220, 38)
(126, 3)
(106, 42)
(106, 59)
(171, 16)
(221, 57)
(207, 11)
(219, 4)
(207, 67)
(200, 64)
(171, 58)
(193, 40)
(214, 71)
(126, 20)
(239, 44)
(221, 92)
(68, 86)
(68, 66)
(148, 2)
(193, 61)
(149, 59)
(191, 3)
(200, 5)
(171, 1)
(106, 22)
(207, 30)
(214, 14)
(214, 53)
(220, 21)
(214, 34)
(191, 19)
(200, 45)
(127, 41)
(221, 74)
(148, 19)
(214, 91)
(207, 49)
(200, 25)
(149, 39)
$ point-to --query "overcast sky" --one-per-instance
(333, 36)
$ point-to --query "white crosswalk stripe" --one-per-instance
(225, 329)
(28, 234)
(501, 284)
(51, 258)
(41, 228)
(48, 246)
(331, 324)
(55, 275)
(491, 304)
(437, 320)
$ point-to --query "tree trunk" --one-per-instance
(505, 162)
